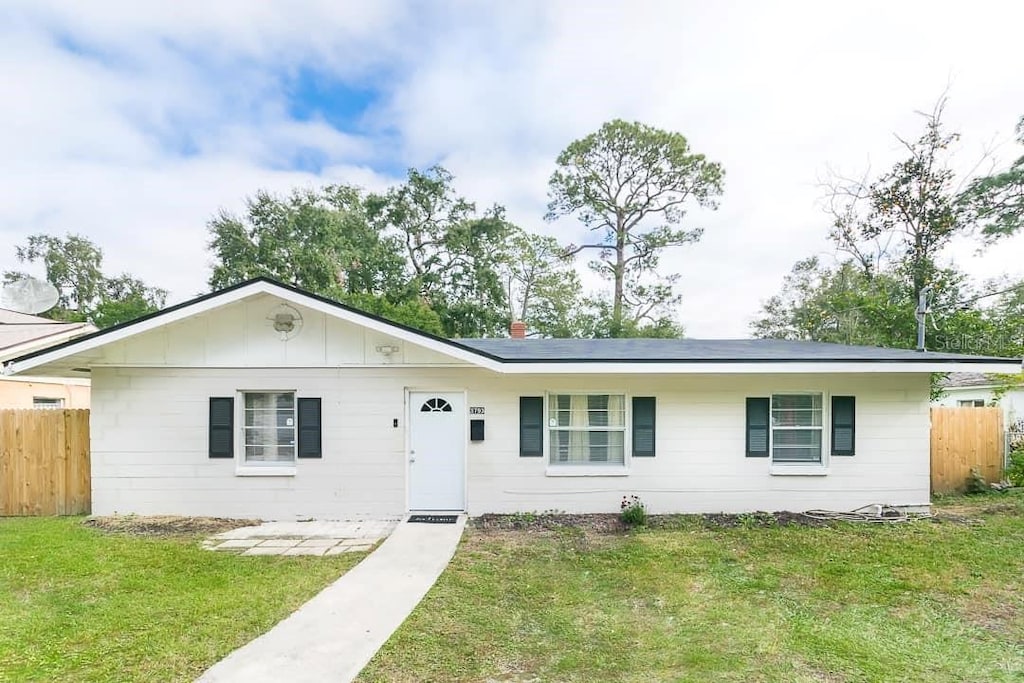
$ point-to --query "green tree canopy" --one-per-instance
(844, 305)
(996, 202)
(541, 287)
(630, 184)
(74, 265)
(317, 240)
(451, 251)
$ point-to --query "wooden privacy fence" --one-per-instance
(965, 439)
(44, 462)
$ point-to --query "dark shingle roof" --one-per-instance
(702, 350)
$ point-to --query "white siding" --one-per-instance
(150, 438)
(241, 335)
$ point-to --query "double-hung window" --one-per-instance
(587, 429)
(971, 403)
(269, 428)
(796, 428)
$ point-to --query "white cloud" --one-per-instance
(169, 111)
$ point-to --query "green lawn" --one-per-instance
(77, 604)
(927, 601)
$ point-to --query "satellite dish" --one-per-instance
(28, 295)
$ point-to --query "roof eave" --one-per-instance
(756, 367)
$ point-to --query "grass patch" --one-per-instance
(929, 600)
(77, 604)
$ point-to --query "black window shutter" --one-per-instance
(844, 418)
(531, 426)
(222, 427)
(643, 426)
(310, 441)
(757, 427)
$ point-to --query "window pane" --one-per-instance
(587, 410)
(796, 410)
(597, 411)
(560, 409)
(269, 427)
(587, 448)
(796, 445)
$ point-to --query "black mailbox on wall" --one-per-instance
(476, 430)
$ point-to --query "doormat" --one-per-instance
(434, 519)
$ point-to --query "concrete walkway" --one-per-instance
(334, 635)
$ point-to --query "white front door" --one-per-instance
(437, 451)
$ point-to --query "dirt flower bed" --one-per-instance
(612, 524)
(165, 525)
(550, 521)
(762, 519)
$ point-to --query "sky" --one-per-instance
(133, 123)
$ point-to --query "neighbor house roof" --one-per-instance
(545, 355)
(964, 380)
(21, 333)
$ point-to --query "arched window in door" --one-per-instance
(436, 405)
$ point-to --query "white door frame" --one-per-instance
(408, 440)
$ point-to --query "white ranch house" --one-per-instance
(268, 402)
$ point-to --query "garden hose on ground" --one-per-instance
(872, 514)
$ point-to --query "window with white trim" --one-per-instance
(971, 403)
(47, 402)
(269, 428)
(587, 429)
(797, 428)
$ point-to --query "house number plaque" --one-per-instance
(476, 410)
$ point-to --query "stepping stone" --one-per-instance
(260, 550)
(304, 551)
(238, 543)
(318, 543)
(339, 549)
(279, 543)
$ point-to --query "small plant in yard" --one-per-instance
(754, 520)
(976, 483)
(1015, 470)
(633, 511)
(522, 520)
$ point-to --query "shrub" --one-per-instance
(976, 483)
(632, 511)
(1015, 470)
